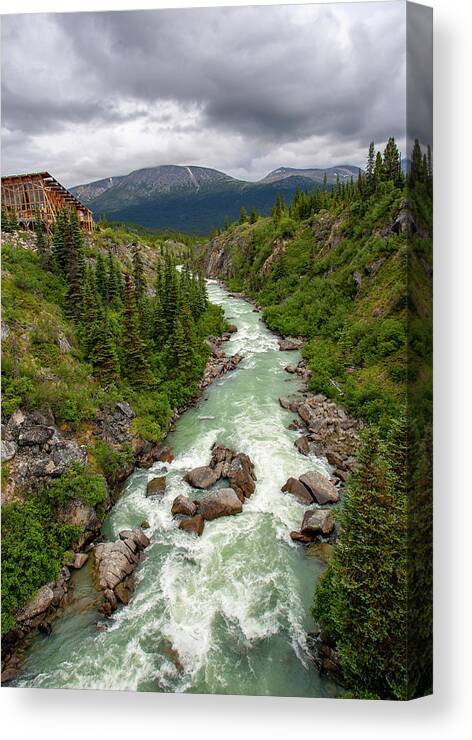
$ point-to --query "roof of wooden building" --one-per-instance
(50, 182)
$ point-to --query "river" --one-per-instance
(226, 613)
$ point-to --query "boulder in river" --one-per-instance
(303, 445)
(289, 344)
(115, 563)
(202, 477)
(80, 558)
(299, 537)
(156, 486)
(183, 505)
(317, 522)
(284, 402)
(298, 490)
(290, 369)
(194, 524)
(240, 478)
(321, 489)
(222, 502)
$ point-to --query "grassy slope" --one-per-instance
(357, 343)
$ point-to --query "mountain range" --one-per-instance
(196, 199)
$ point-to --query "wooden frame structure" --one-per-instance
(24, 195)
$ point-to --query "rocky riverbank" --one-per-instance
(36, 451)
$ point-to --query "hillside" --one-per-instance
(196, 199)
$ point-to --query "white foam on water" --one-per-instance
(205, 608)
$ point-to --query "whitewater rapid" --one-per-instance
(224, 613)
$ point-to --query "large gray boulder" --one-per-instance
(194, 524)
(39, 604)
(35, 435)
(317, 522)
(240, 478)
(115, 563)
(290, 343)
(156, 486)
(303, 445)
(298, 490)
(183, 505)
(202, 477)
(222, 502)
(321, 489)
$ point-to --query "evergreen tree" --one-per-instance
(41, 243)
(252, 216)
(391, 162)
(138, 273)
(243, 216)
(362, 598)
(101, 278)
(73, 267)
(325, 183)
(136, 367)
(159, 330)
(58, 242)
(378, 170)
(370, 166)
(113, 281)
(416, 164)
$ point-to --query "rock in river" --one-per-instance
(289, 343)
(303, 445)
(115, 563)
(203, 477)
(317, 522)
(156, 486)
(194, 524)
(321, 489)
(296, 488)
(183, 505)
(222, 502)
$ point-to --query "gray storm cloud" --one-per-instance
(244, 89)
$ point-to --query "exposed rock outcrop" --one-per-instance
(115, 563)
(290, 343)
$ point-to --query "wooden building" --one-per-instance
(24, 195)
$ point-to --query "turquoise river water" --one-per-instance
(226, 613)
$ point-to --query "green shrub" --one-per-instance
(78, 482)
(33, 544)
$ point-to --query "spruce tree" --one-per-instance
(416, 164)
(101, 278)
(243, 216)
(391, 162)
(136, 367)
(58, 242)
(138, 273)
(252, 216)
(362, 599)
(370, 166)
(378, 171)
(113, 281)
(41, 243)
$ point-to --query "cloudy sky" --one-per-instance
(244, 89)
